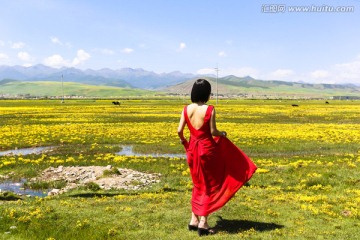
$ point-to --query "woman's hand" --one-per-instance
(185, 143)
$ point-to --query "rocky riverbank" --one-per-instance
(106, 177)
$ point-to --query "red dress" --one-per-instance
(218, 168)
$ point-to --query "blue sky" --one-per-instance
(192, 36)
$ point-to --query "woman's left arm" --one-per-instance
(213, 129)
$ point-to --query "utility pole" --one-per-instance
(62, 87)
(217, 76)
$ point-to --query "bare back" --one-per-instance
(196, 114)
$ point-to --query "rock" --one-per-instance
(54, 192)
(346, 213)
(60, 169)
(108, 167)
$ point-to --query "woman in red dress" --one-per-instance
(218, 168)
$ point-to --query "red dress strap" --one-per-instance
(187, 120)
(208, 113)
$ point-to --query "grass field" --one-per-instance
(307, 185)
(49, 88)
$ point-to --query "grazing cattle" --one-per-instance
(327, 102)
(294, 105)
(116, 103)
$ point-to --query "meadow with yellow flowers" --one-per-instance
(307, 185)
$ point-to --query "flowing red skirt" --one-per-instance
(218, 169)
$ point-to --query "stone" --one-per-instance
(54, 192)
(59, 169)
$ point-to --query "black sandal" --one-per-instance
(205, 231)
(192, 228)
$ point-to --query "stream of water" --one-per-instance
(25, 151)
(128, 151)
(17, 187)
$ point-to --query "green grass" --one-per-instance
(47, 88)
(304, 189)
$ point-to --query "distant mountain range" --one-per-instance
(125, 77)
(249, 87)
(14, 78)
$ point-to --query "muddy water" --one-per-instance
(128, 151)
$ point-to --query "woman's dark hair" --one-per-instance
(201, 91)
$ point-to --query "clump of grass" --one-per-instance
(9, 196)
(91, 186)
(135, 182)
(110, 172)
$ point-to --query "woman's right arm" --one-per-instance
(180, 130)
(214, 130)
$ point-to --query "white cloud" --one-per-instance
(182, 46)
(55, 40)
(81, 57)
(319, 74)
(3, 57)
(2, 43)
(282, 74)
(127, 50)
(24, 56)
(104, 51)
(240, 72)
(17, 45)
(348, 71)
(206, 71)
(222, 54)
(55, 60)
